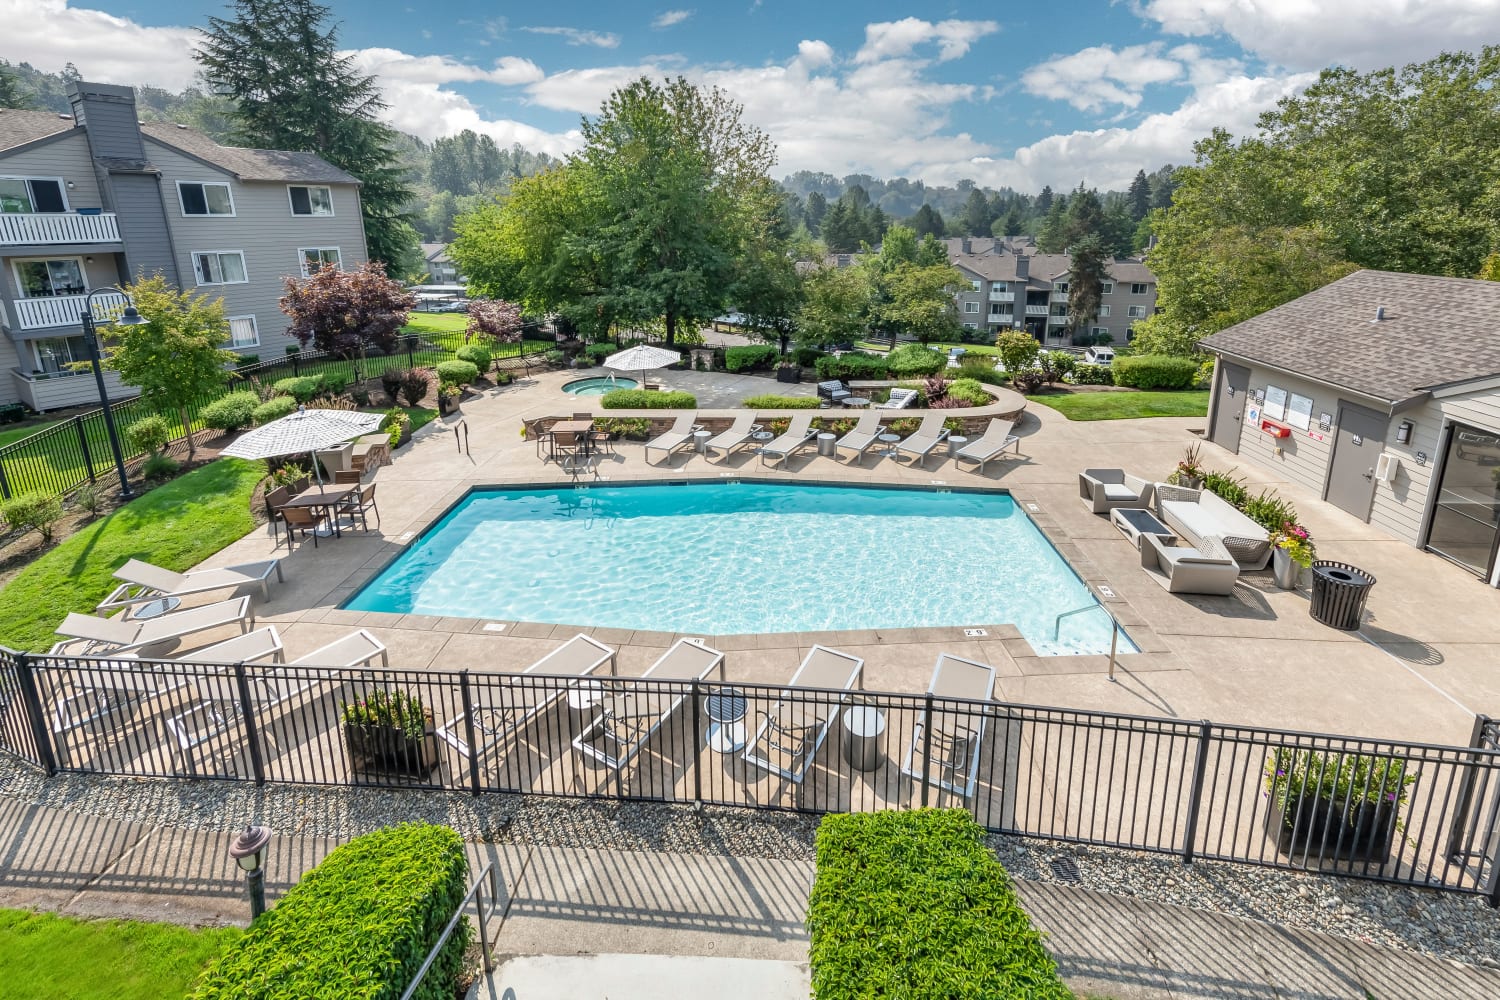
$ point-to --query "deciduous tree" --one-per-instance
(347, 312)
(494, 321)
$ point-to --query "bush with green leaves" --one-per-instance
(302, 388)
(554, 357)
(1227, 488)
(1337, 776)
(358, 926)
(912, 904)
(149, 434)
(334, 383)
(455, 372)
(1057, 365)
(274, 409)
(476, 355)
(981, 370)
(770, 401)
(1155, 371)
(89, 498)
(37, 512)
(395, 423)
(231, 412)
(647, 399)
(1018, 350)
(851, 366)
(390, 381)
(598, 352)
(414, 386)
(1269, 510)
(756, 357)
(630, 428)
(807, 356)
(969, 392)
(914, 360)
(159, 467)
(1091, 375)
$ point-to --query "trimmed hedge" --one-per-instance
(1091, 375)
(968, 392)
(1155, 371)
(232, 411)
(457, 372)
(647, 399)
(273, 409)
(774, 402)
(853, 365)
(909, 360)
(358, 926)
(598, 352)
(806, 357)
(476, 355)
(756, 357)
(912, 904)
(302, 388)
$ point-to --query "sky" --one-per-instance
(1003, 93)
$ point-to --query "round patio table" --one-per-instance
(726, 710)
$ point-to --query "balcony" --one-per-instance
(1002, 296)
(1036, 310)
(64, 310)
(43, 391)
(60, 228)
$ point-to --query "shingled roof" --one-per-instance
(17, 128)
(249, 164)
(1434, 332)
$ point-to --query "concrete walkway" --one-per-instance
(568, 903)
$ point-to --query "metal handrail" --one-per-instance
(1057, 622)
(488, 871)
(1114, 632)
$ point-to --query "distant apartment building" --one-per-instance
(95, 199)
(441, 270)
(1014, 287)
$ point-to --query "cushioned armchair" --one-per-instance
(1102, 490)
(1208, 569)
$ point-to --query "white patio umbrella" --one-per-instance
(642, 358)
(306, 430)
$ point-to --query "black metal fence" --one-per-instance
(1390, 811)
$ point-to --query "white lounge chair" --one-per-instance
(957, 731)
(263, 643)
(505, 707)
(798, 433)
(89, 634)
(865, 433)
(997, 437)
(146, 582)
(680, 436)
(83, 698)
(790, 734)
(632, 716)
(737, 436)
(899, 399)
(921, 442)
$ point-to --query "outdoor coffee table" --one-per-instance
(856, 402)
(155, 609)
(762, 437)
(1134, 522)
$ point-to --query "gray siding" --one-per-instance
(66, 158)
(109, 114)
(143, 227)
(1403, 507)
(1303, 457)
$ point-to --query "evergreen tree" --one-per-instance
(841, 228)
(1085, 282)
(927, 221)
(12, 93)
(1139, 196)
(977, 217)
(1044, 200)
(1085, 217)
(816, 208)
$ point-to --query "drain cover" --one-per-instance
(1065, 869)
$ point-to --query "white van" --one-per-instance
(1098, 356)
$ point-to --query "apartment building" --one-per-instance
(1013, 286)
(95, 199)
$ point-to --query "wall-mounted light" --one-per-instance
(1403, 432)
(71, 185)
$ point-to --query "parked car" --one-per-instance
(453, 307)
(1098, 355)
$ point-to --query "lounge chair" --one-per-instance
(93, 693)
(88, 634)
(920, 443)
(957, 731)
(798, 433)
(737, 436)
(680, 436)
(790, 734)
(1102, 490)
(865, 433)
(356, 649)
(997, 437)
(260, 644)
(1206, 569)
(506, 707)
(632, 716)
(145, 582)
(900, 399)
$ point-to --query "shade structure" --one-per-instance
(303, 431)
(642, 358)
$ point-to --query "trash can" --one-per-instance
(1339, 592)
(956, 442)
(827, 443)
(863, 725)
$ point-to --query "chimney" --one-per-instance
(1379, 314)
(108, 112)
(966, 245)
(1023, 266)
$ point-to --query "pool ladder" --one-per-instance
(1114, 632)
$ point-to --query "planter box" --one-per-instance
(448, 405)
(1323, 829)
(387, 750)
(789, 374)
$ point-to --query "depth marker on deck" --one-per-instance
(494, 627)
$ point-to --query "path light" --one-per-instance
(249, 852)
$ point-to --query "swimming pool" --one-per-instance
(598, 385)
(732, 558)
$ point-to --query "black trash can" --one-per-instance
(1339, 592)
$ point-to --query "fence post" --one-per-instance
(411, 358)
(697, 744)
(1195, 794)
(296, 368)
(926, 749)
(247, 713)
(467, 697)
(83, 442)
(4, 483)
(1456, 836)
(34, 714)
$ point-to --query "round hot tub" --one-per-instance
(598, 385)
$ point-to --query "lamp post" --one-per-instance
(249, 852)
(91, 335)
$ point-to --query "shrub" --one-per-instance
(414, 386)
(1224, 486)
(1155, 371)
(630, 428)
(456, 372)
(89, 498)
(360, 395)
(773, 402)
(847, 366)
(1336, 776)
(912, 904)
(390, 381)
(241, 360)
(394, 424)
(301, 388)
(969, 392)
(1091, 375)
(334, 382)
(646, 399)
(149, 434)
(912, 360)
(273, 409)
(37, 512)
(598, 352)
(1017, 350)
(982, 370)
(358, 926)
(1269, 510)
(1028, 380)
(1057, 364)
(807, 357)
(159, 467)
(756, 357)
(475, 355)
(554, 357)
(231, 412)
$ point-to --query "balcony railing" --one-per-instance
(1002, 296)
(64, 310)
(1036, 310)
(22, 228)
(43, 391)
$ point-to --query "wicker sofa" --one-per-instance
(1198, 515)
(1102, 490)
(1180, 570)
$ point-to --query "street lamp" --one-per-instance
(249, 852)
(91, 334)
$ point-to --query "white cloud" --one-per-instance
(1101, 76)
(49, 34)
(668, 18)
(891, 39)
(393, 64)
(577, 36)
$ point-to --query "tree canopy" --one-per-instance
(347, 312)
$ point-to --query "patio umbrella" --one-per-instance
(642, 358)
(306, 430)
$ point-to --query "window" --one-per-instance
(1002, 309)
(1136, 312)
(1060, 286)
(1059, 308)
(32, 194)
(1103, 312)
(971, 307)
(242, 332)
(55, 354)
(1139, 288)
(220, 267)
(971, 326)
(976, 283)
(1000, 286)
(204, 199)
(40, 279)
(311, 200)
(1101, 331)
(314, 258)
(1106, 288)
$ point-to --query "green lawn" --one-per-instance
(44, 955)
(884, 345)
(15, 434)
(421, 416)
(1126, 405)
(175, 526)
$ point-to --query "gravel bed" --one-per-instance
(1444, 925)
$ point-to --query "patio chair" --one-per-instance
(899, 399)
(505, 708)
(790, 734)
(798, 433)
(633, 715)
(147, 582)
(260, 644)
(538, 432)
(921, 442)
(997, 437)
(833, 390)
(304, 519)
(680, 436)
(957, 731)
(1102, 490)
(737, 436)
(359, 504)
(1207, 569)
(118, 635)
(95, 692)
(274, 500)
(348, 477)
(865, 433)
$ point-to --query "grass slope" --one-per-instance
(175, 526)
(1127, 405)
(44, 955)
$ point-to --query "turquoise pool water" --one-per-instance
(731, 558)
(598, 385)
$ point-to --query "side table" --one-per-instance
(863, 726)
(726, 713)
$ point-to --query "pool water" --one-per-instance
(733, 558)
(598, 385)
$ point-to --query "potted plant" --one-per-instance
(788, 371)
(390, 732)
(1292, 551)
(1333, 804)
(1190, 468)
(448, 399)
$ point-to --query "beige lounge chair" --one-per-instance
(680, 436)
(260, 644)
(1102, 490)
(865, 433)
(89, 634)
(921, 442)
(899, 399)
(633, 715)
(997, 437)
(798, 433)
(957, 731)
(1207, 569)
(146, 582)
(790, 734)
(737, 436)
(504, 707)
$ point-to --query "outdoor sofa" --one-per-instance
(1199, 515)
(1102, 490)
(1206, 568)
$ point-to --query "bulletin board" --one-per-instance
(1299, 411)
(1274, 408)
